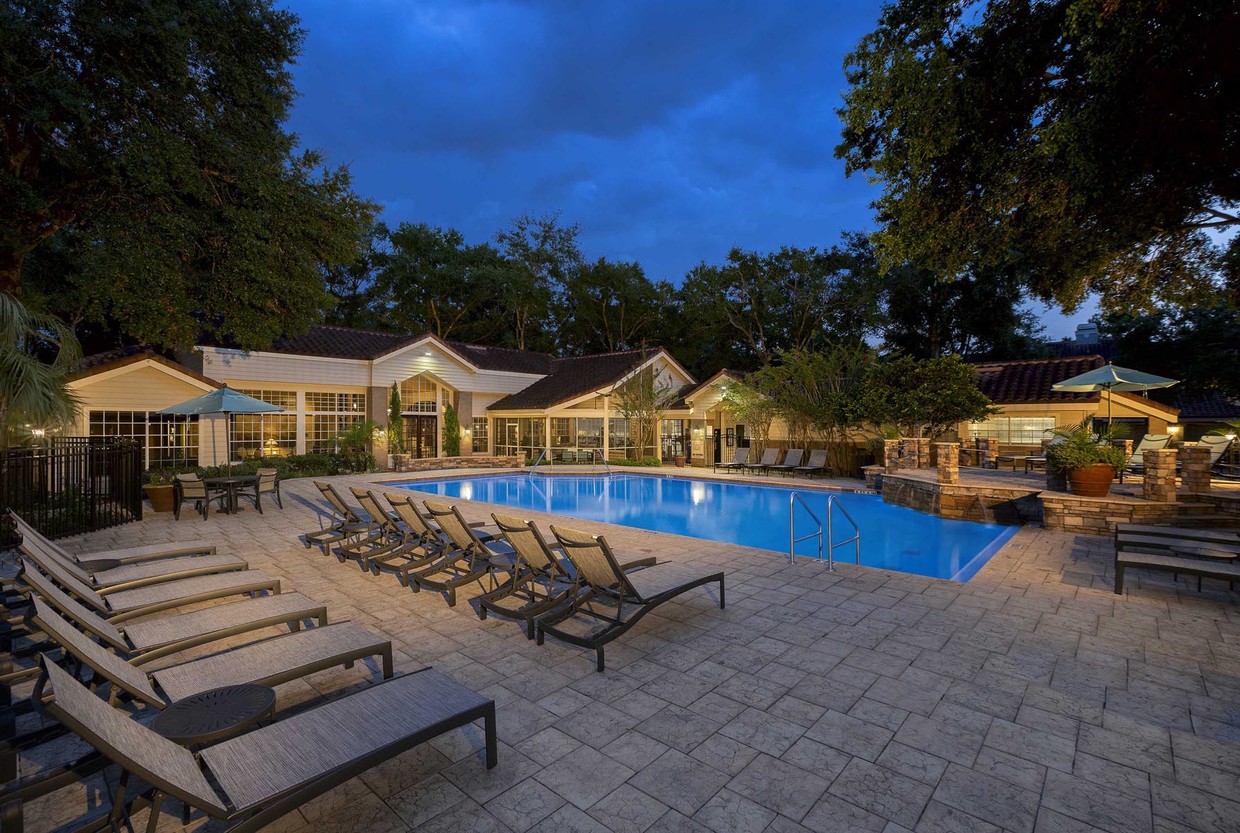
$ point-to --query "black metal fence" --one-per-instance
(73, 484)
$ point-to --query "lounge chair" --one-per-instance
(270, 662)
(190, 488)
(159, 636)
(791, 460)
(1223, 536)
(1033, 460)
(383, 534)
(738, 462)
(268, 483)
(121, 605)
(124, 555)
(1224, 568)
(817, 463)
(422, 545)
(538, 584)
(467, 559)
(1149, 442)
(1218, 446)
(256, 778)
(603, 582)
(110, 576)
(342, 524)
(769, 458)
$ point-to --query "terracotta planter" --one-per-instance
(680, 462)
(1094, 481)
(161, 497)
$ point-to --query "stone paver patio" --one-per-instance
(1030, 699)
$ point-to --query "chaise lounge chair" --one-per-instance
(268, 662)
(538, 584)
(603, 582)
(1149, 442)
(739, 461)
(817, 463)
(256, 778)
(467, 558)
(791, 460)
(124, 555)
(342, 523)
(769, 458)
(383, 533)
(423, 544)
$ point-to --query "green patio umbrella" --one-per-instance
(1111, 377)
(222, 401)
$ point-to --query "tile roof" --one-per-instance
(1209, 405)
(573, 377)
(1007, 383)
(348, 343)
(503, 358)
(124, 356)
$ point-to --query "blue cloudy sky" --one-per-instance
(669, 131)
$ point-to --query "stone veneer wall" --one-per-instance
(481, 462)
(1098, 516)
(1226, 504)
(963, 503)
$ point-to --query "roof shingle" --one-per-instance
(573, 377)
(1008, 383)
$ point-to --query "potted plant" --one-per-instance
(157, 483)
(1087, 458)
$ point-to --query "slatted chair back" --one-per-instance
(121, 674)
(70, 582)
(71, 608)
(29, 533)
(741, 457)
(531, 548)
(371, 506)
(1218, 446)
(817, 458)
(267, 480)
(593, 559)
(38, 547)
(1152, 442)
(458, 531)
(341, 509)
(407, 510)
(794, 456)
(191, 487)
(163, 764)
(769, 457)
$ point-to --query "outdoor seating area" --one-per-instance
(888, 700)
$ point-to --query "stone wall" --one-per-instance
(1158, 479)
(963, 503)
(480, 462)
(1098, 516)
(907, 453)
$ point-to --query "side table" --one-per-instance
(215, 714)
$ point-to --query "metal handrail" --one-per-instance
(541, 455)
(832, 504)
(601, 456)
(793, 499)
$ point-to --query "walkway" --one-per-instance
(1030, 699)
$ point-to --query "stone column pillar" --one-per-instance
(923, 453)
(891, 456)
(949, 462)
(987, 451)
(1159, 480)
(1196, 471)
(1124, 444)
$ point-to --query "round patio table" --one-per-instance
(215, 714)
(229, 485)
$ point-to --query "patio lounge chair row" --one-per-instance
(791, 464)
(585, 597)
(1205, 553)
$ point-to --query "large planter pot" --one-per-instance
(1094, 481)
(679, 461)
(161, 497)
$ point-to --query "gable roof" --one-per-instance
(571, 378)
(1009, 383)
(1209, 405)
(328, 341)
(97, 363)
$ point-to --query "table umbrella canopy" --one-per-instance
(1112, 377)
(222, 401)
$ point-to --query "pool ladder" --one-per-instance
(596, 451)
(831, 543)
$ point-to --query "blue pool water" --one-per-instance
(892, 537)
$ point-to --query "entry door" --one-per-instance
(420, 436)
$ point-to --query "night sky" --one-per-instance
(670, 132)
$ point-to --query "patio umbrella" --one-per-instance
(222, 401)
(1110, 377)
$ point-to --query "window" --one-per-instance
(170, 441)
(520, 436)
(561, 433)
(328, 414)
(265, 435)
(419, 395)
(479, 433)
(1016, 430)
(672, 438)
(620, 440)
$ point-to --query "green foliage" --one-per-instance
(1084, 143)
(1198, 345)
(643, 399)
(358, 436)
(1080, 447)
(295, 465)
(451, 432)
(639, 462)
(539, 255)
(162, 197)
(32, 390)
(607, 306)
(927, 397)
(396, 423)
(753, 408)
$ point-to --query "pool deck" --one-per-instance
(1031, 698)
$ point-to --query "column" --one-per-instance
(891, 456)
(987, 451)
(923, 453)
(949, 462)
(1158, 482)
(1196, 471)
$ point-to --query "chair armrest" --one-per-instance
(641, 562)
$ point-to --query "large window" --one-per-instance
(575, 439)
(419, 396)
(265, 435)
(520, 436)
(479, 435)
(620, 440)
(1015, 430)
(170, 441)
(672, 439)
(328, 414)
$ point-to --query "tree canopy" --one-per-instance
(1084, 143)
(146, 166)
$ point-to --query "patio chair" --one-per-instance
(423, 544)
(467, 558)
(769, 458)
(160, 636)
(817, 463)
(1223, 567)
(124, 555)
(190, 488)
(1033, 460)
(252, 780)
(538, 584)
(383, 533)
(738, 462)
(121, 605)
(112, 576)
(791, 460)
(1216, 535)
(268, 662)
(1218, 446)
(1149, 442)
(342, 524)
(603, 582)
(268, 483)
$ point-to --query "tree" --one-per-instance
(451, 432)
(146, 140)
(1200, 346)
(351, 286)
(32, 390)
(643, 398)
(754, 409)
(927, 397)
(396, 422)
(1077, 140)
(539, 255)
(608, 306)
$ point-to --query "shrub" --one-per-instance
(638, 461)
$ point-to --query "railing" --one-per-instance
(73, 484)
(832, 505)
(541, 455)
(602, 457)
(793, 500)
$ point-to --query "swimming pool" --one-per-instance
(892, 537)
